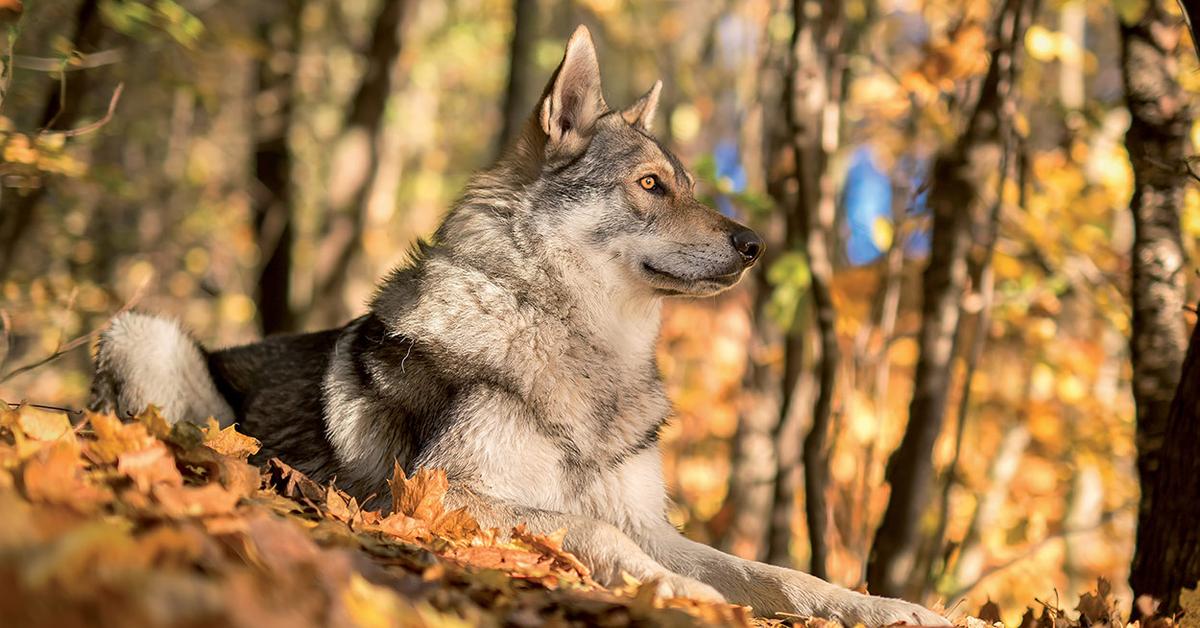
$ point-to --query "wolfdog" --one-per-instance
(516, 351)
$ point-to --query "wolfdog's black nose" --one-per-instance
(748, 245)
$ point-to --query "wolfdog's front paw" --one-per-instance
(675, 585)
(881, 611)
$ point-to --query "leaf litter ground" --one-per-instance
(141, 523)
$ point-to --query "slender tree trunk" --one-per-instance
(812, 102)
(520, 94)
(273, 198)
(778, 384)
(795, 388)
(358, 153)
(65, 102)
(958, 200)
(1157, 140)
(982, 287)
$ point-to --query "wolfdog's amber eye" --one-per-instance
(649, 182)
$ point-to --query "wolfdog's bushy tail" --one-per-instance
(144, 360)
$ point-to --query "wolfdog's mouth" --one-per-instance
(676, 285)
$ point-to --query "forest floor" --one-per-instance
(140, 523)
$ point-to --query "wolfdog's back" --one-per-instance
(275, 389)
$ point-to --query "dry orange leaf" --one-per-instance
(230, 442)
(114, 438)
(198, 501)
(42, 425)
(551, 545)
(55, 475)
(150, 466)
(421, 496)
(292, 483)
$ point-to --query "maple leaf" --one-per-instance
(1100, 607)
(291, 483)
(42, 425)
(198, 501)
(235, 475)
(419, 511)
(421, 496)
(551, 545)
(404, 527)
(113, 438)
(150, 466)
(340, 506)
(229, 441)
(155, 422)
(55, 475)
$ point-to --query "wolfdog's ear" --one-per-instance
(572, 101)
(641, 113)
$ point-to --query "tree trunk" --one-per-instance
(811, 100)
(958, 200)
(273, 198)
(17, 209)
(1157, 144)
(520, 94)
(1167, 558)
(768, 383)
(358, 154)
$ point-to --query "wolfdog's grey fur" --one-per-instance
(516, 352)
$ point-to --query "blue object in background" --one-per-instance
(867, 201)
(728, 161)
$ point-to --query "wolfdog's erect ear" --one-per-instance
(572, 101)
(641, 113)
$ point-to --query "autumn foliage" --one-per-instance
(144, 523)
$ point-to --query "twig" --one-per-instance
(67, 348)
(88, 128)
(79, 61)
(44, 406)
(62, 94)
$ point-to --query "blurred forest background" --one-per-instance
(960, 276)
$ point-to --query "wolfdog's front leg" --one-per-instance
(605, 549)
(770, 589)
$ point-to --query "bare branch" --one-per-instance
(88, 128)
(77, 61)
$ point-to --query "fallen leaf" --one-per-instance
(230, 442)
(150, 466)
(155, 422)
(291, 483)
(195, 501)
(233, 474)
(551, 546)
(42, 425)
(55, 475)
(114, 438)
(421, 496)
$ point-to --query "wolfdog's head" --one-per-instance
(607, 199)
